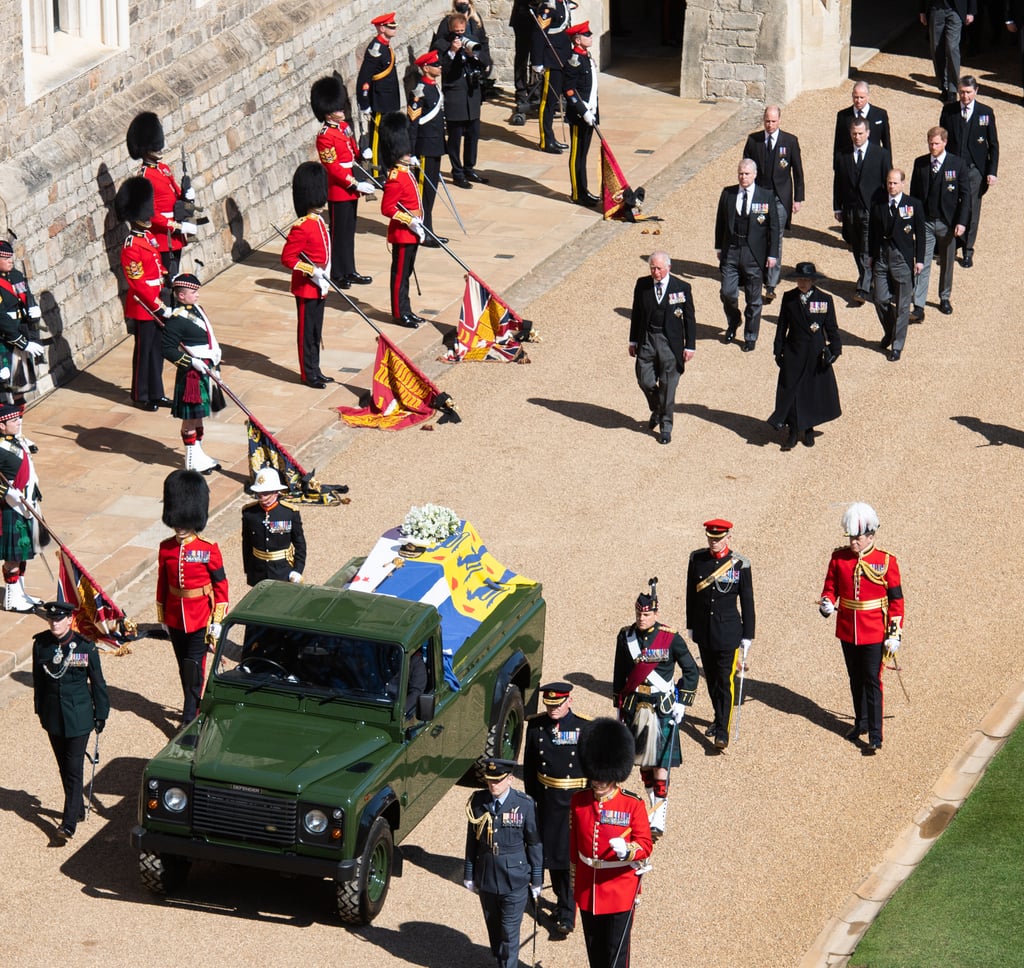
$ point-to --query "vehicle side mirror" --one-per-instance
(425, 706)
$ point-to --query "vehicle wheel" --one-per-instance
(374, 872)
(506, 734)
(163, 873)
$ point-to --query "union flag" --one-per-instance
(487, 327)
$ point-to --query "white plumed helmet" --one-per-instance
(860, 518)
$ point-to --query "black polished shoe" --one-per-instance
(316, 383)
(711, 730)
(967, 261)
(945, 307)
(884, 343)
(854, 733)
(560, 144)
(355, 279)
(563, 927)
(730, 335)
(431, 243)
(587, 201)
(461, 182)
(150, 406)
(790, 442)
(860, 297)
(809, 438)
(342, 283)
(916, 314)
(721, 742)
(748, 346)
(474, 177)
(665, 438)
(409, 321)
(164, 402)
(871, 749)
(769, 295)
(64, 832)
(552, 150)
(894, 356)
(325, 378)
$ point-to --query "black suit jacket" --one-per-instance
(954, 188)
(782, 171)
(878, 129)
(907, 233)
(856, 190)
(680, 321)
(976, 141)
(765, 231)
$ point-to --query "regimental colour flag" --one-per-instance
(97, 616)
(487, 327)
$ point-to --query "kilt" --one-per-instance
(16, 540)
(190, 411)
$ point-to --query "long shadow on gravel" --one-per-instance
(793, 704)
(591, 413)
(430, 944)
(753, 430)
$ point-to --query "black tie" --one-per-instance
(657, 291)
(859, 158)
(743, 210)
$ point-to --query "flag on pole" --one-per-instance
(488, 328)
(97, 616)
(401, 395)
(303, 487)
(617, 198)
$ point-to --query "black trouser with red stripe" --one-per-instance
(343, 239)
(190, 652)
(147, 362)
(403, 260)
(310, 330)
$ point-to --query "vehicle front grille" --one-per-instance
(238, 815)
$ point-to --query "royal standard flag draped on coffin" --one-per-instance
(458, 576)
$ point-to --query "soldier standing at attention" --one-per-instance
(273, 544)
(21, 536)
(720, 619)
(70, 700)
(581, 108)
(19, 317)
(504, 857)
(377, 88)
(550, 51)
(551, 774)
(426, 136)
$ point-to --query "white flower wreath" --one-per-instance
(430, 523)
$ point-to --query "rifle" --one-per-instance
(185, 208)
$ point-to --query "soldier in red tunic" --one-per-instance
(609, 842)
(191, 586)
(401, 204)
(338, 153)
(307, 252)
(144, 273)
(146, 142)
(862, 586)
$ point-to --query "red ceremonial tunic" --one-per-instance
(311, 236)
(166, 192)
(400, 189)
(191, 586)
(867, 594)
(144, 273)
(337, 151)
(603, 884)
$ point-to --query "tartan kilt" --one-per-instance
(190, 411)
(650, 749)
(16, 540)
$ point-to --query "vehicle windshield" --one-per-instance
(337, 665)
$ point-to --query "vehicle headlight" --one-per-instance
(175, 799)
(315, 821)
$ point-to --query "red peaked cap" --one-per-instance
(385, 20)
(716, 527)
(430, 57)
(583, 28)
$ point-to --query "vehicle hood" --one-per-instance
(277, 750)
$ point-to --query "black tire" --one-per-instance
(163, 873)
(505, 737)
(361, 905)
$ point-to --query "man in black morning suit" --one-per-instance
(504, 857)
(877, 120)
(662, 333)
(939, 179)
(971, 127)
(781, 172)
(896, 241)
(859, 176)
(747, 232)
(945, 20)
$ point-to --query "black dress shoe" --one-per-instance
(916, 314)
(860, 297)
(967, 262)
(563, 927)
(64, 832)
(665, 438)
(730, 335)
(150, 406)
(711, 730)
(721, 742)
(164, 402)
(748, 346)
(461, 182)
(894, 356)
(587, 201)
(560, 144)
(769, 295)
(790, 442)
(409, 321)
(809, 438)
(325, 378)
(474, 177)
(884, 343)
(945, 307)
(854, 733)
(552, 150)
(342, 283)
(431, 243)
(316, 383)
(354, 278)
(871, 749)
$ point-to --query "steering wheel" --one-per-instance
(247, 665)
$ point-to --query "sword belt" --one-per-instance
(604, 864)
(869, 605)
(191, 592)
(286, 554)
(557, 783)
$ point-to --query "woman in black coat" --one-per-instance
(806, 345)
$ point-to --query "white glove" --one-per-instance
(5, 373)
(33, 348)
(534, 892)
(678, 712)
(745, 645)
(589, 117)
(188, 228)
(538, 68)
(367, 154)
(15, 499)
(294, 577)
(165, 312)
(469, 886)
(365, 187)
(200, 365)
(892, 645)
(416, 225)
(190, 194)
(213, 631)
(215, 355)
(34, 312)
(320, 278)
(414, 161)
(367, 111)
(618, 844)
(826, 607)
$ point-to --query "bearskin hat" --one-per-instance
(394, 138)
(309, 187)
(134, 200)
(326, 96)
(607, 751)
(145, 135)
(186, 500)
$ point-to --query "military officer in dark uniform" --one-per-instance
(649, 703)
(551, 774)
(70, 701)
(504, 857)
(720, 619)
(377, 88)
(550, 52)
(273, 544)
(426, 135)
(581, 110)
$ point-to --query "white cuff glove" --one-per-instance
(538, 68)
(320, 278)
(15, 499)
(34, 312)
(745, 645)
(416, 226)
(165, 312)
(892, 645)
(469, 886)
(5, 373)
(367, 154)
(34, 349)
(190, 194)
(294, 577)
(534, 892)
(826, 607)
(213, 631)
(414, 161)
(589, 117)
(200, 365)
(367, 111)
(188, 228)
(365, 187)
(618, 844)
(678, 712)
